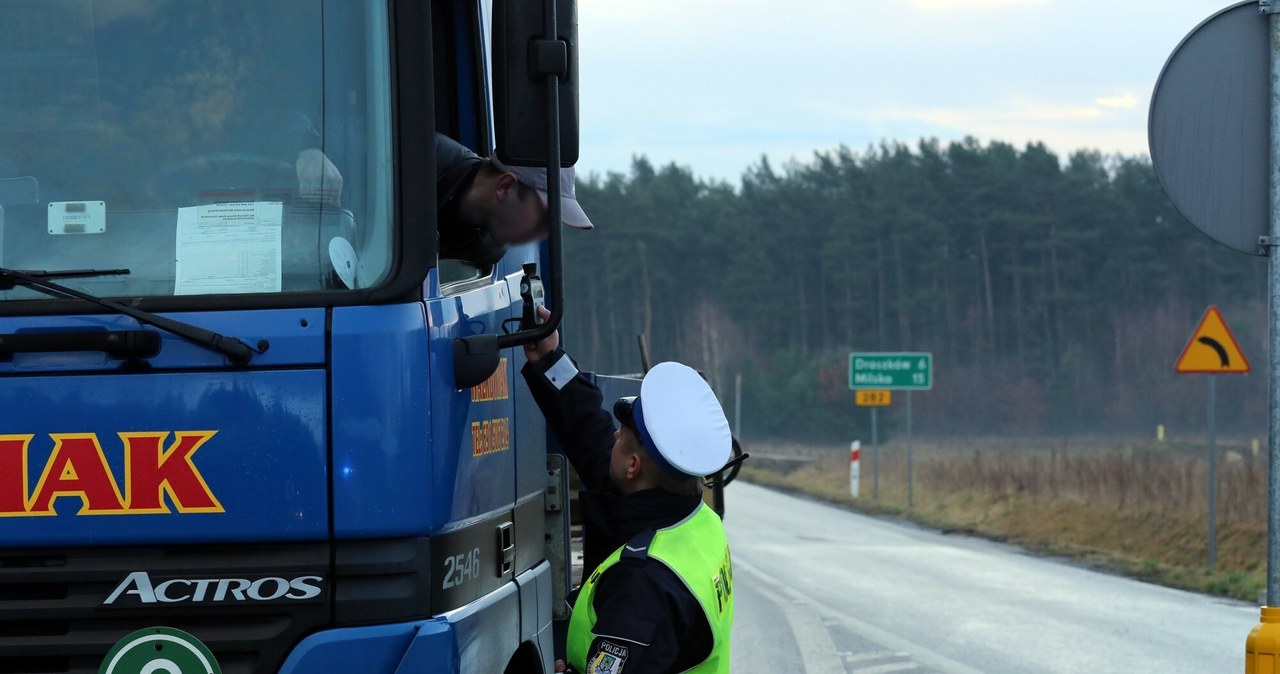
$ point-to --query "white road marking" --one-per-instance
(863, 629)
(817, 651)
(885, 669)
(873, 655)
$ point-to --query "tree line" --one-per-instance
(1055, 293)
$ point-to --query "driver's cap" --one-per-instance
(571, 212)
(683, 420)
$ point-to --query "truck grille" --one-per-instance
(53, 617)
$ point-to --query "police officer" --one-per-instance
(658, 595)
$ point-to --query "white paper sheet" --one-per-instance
(229, 248)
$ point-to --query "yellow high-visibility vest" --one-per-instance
(698, 552)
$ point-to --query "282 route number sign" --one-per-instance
(873, 398)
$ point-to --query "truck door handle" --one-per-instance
(506, 549)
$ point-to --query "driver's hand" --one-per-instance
(318, 178)
(536, 351)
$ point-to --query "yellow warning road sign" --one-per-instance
(873, 398)
(1212, 348)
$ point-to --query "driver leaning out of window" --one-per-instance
(482, 205)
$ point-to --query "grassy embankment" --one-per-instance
(1136, 508)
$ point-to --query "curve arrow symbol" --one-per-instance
(1213, 344)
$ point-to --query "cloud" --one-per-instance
(971, 4)
(716, 83)
(721, 144)
(1123, 101)
(1014, 113)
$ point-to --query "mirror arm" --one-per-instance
(552, 62)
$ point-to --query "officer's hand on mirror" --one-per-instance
(536, 351)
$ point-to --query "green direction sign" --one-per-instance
(911, 371)
(159, 650)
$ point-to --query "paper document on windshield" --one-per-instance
(229, 248)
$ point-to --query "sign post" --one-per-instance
(1215, 102)
(911, 481)
(892, 371)
(1212, 350)
(1261, 647)
(875, 399)
(875, 457)
(1213, 476)
(1272, 11)
(1264, 636)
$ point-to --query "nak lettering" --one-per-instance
(155, 465)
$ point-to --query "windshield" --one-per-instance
(226, 147)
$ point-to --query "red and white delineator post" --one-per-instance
(855, 470)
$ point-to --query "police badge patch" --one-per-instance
(609, 659)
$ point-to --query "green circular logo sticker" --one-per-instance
(159, 650)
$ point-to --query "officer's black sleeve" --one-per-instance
(646, 619)
(572, 406)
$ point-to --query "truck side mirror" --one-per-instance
(536, 112)
(522, 59)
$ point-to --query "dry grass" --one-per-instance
(1139, 509)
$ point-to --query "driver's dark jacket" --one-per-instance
(640, 603)
(456, 169)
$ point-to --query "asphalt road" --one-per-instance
(823, 590)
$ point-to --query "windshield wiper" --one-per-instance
(8, 281)
(237, 351)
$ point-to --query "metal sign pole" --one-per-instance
(910, 483)
(1262, 646)
(1194, 145)
(1213, 476)
(1273, 322)
(875, 458)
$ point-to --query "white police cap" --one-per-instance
(684, 421)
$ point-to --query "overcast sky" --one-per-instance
(714, 84)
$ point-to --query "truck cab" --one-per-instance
(233, 425)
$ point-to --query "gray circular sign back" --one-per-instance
(1209, 127)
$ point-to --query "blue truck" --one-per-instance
(249, 421)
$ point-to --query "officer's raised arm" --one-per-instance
(572, 406)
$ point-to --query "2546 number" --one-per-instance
(461, 568)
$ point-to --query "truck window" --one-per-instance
(201, 145)
(460, 106)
